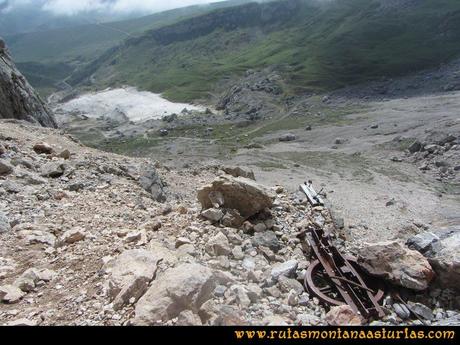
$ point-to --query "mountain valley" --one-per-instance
(165, 190)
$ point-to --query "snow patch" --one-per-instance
(127, 102)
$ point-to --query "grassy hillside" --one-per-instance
(316, 45)
(44, 52)
(45, 77)
(85, 42)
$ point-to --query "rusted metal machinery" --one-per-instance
(335, 279)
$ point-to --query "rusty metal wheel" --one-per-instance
(317, 282)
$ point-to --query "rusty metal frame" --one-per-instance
(343, 276)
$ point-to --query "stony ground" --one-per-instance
(72, 224)
(87, 238)
(365, 166)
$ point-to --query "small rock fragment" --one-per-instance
(343, 316)
(212, 214)
(43, 148)
(5, 167)
(10, 294)
(73, 235)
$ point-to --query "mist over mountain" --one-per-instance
(19, 16)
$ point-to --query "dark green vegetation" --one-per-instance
(45, 77)
(316, 45)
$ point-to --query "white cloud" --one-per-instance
(9, 5)
(72, 7)
(69, 7)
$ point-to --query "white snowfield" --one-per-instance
(128, 101)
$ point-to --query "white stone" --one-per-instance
(185, 287)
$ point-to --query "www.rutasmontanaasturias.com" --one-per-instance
(339, 333)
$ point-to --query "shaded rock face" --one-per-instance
(398, 264)
(425, 243)
(446, 262)
(250, 15)
(152, 183)
(18, 100)
(238, 193)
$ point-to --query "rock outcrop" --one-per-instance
(446, 262)
(130, 273)
(152, 183)
(18, 100)
(186, 287)
(399, 265)
(238, 193)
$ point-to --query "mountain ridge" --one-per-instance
(317, 46)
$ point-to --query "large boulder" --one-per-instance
(28, 280)
(446, 261)
(185, 287)
(238, 193)
(129, 275)
(396, 263)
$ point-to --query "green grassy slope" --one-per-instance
(41, 55)
(316, 45)
(85, 42)
(44, 77)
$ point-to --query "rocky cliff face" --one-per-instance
(250, 15)
(18, 100)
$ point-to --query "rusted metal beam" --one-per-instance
(342, 277)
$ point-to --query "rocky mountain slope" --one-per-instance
(93, 238)
(18, 100)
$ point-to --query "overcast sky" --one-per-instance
(71, 7)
